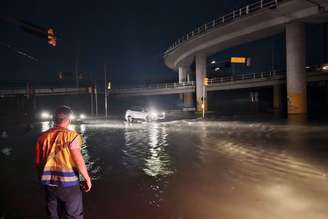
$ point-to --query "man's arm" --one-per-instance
(78, 159)
(38, 159)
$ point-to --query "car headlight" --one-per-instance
(153, 114)
(82, 116)
(72, 117)
(45, 115)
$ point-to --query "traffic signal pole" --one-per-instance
(204, 100)
(41, 32)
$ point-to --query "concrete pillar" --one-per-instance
(296, 77)
(277, 98)
(201, 63)
(183, 71)
(189, 77)
(182, 77)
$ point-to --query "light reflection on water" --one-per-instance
(145, 149)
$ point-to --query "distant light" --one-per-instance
(307, 67)
(45, 115)
(213, 62)
(82, 128)
(82, 116)
(72, 117)
(217, 68)
(324, 67)
(72, 127)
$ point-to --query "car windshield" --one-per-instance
(137, 108)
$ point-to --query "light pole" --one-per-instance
(105, 90)
(96, 99)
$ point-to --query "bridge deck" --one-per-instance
(215, 84)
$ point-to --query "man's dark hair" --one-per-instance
(62, 113)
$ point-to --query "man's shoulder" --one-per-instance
(73, 133)
(51, 131)
(44, 134)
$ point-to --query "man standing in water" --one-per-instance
(59, 160)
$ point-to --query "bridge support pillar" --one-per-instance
(201, 62)
(296, 77)
(184, 77)
(183, 71)
(277, 97)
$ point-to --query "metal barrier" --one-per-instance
(42, 91)
(242, 77)
(221, 21)
(158, 86)
(189, 84)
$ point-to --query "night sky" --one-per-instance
(129, 36)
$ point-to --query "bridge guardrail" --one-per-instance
(159, 86)
(242, 77)
(217, 80)
(221, 21)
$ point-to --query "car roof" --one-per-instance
(137, 108)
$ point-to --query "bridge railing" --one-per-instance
(232, 16)
(189, 84)
(242, 77)
(157, 86)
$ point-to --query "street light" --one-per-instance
(213, 62)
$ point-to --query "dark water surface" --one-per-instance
(183, 169)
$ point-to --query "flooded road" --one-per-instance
(183, 169)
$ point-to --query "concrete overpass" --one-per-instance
(42, 91)
(262, 79)
(255, 21)
(240, 81)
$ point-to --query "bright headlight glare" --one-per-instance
(82, 116)
(71, 117)
(45, 115)
(324, 67)
(153, 114)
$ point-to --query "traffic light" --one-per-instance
(51, 37)
(205, 81)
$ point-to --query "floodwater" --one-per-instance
(182, 169)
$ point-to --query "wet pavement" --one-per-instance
(182, 169)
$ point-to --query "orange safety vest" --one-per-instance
(54, 159)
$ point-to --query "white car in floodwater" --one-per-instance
(140, 114)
